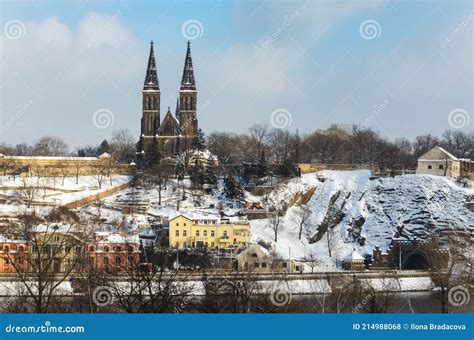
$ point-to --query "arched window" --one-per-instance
(118, 249)
(130, 249)
(91, 249)
(21, 249)
(106, 249)
(254, 255)
(6, 249)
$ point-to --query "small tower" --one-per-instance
(151, 100)
(188, 98)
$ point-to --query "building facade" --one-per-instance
(61, 166)
(13, 255)
(210, 232)
(114, 253)
(439, 162)
(174, 132)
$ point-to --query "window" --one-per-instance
(430, 167)
(21, 249)
(177, 233)
(177, 224)
(117, 261)
(283, 264)
(212, 233)
(130, 249)
(256, 264)
(205, 233)
(184, 224)
(197, 232)
(254, 255)
(441, 167)
(297, 268)
(264, 265)
(185, 233)
(91, 249)
(6, 249)
(106, 260)
(118, 249)
(106, 249)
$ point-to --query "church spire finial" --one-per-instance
(151, 79)
(187, 81)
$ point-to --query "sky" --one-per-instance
(75, 69)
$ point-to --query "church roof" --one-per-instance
(187, 81)
(169, 126)
(151, 78)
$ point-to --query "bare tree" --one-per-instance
(50, 146)
(55, 252)
(302, 216)
(274, 219)
(28, 191)
(451, 265)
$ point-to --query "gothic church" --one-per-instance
(176, 132)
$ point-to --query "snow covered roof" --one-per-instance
(354, 256)
(54, 227)
(117, 238)
(252, 248)
(49, 158)
(5, 239)
(452, 157)
(194, 216)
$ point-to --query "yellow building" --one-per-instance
(207, 231)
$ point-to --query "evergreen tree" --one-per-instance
(210, 176)
(233, 189)
(104, 147)
(262, 169)
(199, 142)
(153, 155)
(197, 173)
(179, 169)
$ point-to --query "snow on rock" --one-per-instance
(360, 213)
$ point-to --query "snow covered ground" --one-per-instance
(364, 213)
(15, 192)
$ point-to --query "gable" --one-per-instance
(437, 153)
(169, 126)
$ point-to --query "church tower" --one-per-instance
(188, 98)
(151, 101)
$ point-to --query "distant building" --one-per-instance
(258, 259)
(347, 128)
(114, 253)
(353, 261)
(175, 132)
(440, 162)
(60, 166)
(254, 258)
(13, 255)
(207, 231)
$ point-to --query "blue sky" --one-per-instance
(252, 58)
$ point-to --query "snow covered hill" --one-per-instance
(362, 213)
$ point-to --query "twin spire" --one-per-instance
(151, 79)
(187, 81)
